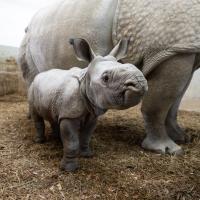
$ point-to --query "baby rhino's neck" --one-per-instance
(88, 101)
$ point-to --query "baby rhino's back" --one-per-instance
(55, 94)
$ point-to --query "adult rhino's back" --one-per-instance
(46, 40)
(158, 29)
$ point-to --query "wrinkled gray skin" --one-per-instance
(164, 44)
(71, 100)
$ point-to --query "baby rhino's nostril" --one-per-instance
(130, 83)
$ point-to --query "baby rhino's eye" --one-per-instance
(105, 78)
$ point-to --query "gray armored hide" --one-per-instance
(164, 43)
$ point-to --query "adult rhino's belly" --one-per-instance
(156, 25)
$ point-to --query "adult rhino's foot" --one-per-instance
(69, 164)
(163, 146)
(86, 152)
(176, 133)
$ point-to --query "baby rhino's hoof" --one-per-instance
(40, 140)
(69, 165)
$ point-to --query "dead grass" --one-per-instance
(119, 170)
(11, 80)
(8, 82)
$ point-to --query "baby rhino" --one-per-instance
(71, 100)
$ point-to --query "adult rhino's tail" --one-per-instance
(24, 60)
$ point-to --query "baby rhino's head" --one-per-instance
(109, 83)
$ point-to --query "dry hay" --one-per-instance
(11, 80)
(120, 169)
(8, 82)
(9, 65)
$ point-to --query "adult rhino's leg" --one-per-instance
(175, 132)
(166, 84)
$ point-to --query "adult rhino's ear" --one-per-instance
(120, 50)
(82, 49)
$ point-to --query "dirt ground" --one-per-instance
(120, 169)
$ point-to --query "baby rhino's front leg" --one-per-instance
(69, 132)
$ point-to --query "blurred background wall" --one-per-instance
(191, 100)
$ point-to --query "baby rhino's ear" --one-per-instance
(120, 50)
(82, 49)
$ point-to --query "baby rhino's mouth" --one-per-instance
(133, 91)
(131, 85)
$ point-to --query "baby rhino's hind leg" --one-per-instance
(40, 128)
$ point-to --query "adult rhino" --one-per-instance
(164, 43)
